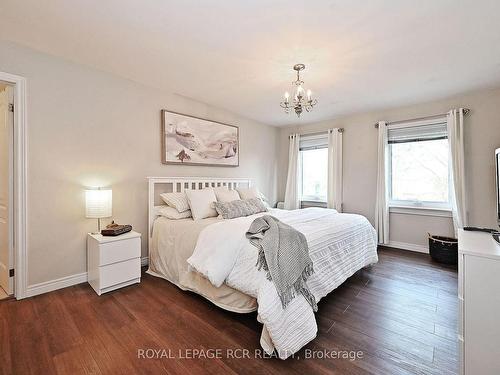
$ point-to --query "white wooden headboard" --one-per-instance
(158, 185)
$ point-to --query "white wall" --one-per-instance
(482, 136)
(89, 128)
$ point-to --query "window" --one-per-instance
(314, 167)
(419, 169)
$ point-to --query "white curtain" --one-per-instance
(334, 193)
(455, 125)
(292, 182)
(381, 205)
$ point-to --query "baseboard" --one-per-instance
(49, 286)
(63, 282)
(408, 246)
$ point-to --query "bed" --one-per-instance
(173, 242)
(213, 258)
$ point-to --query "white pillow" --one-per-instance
(201, 203)
(253, 192)
(172, 213)
(223, 194)
(220, 188)
(249, 193)
(177, 200)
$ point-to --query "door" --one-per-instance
(6, 223)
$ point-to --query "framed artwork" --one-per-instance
(192, 140)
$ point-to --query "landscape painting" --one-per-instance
(194, 141)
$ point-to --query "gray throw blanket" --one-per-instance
(284, 254)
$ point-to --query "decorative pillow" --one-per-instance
(223, 194)
(220, 189)
(247, 193)
(253, 192)
(172, 213)
(201, 203)
(177, 200)
(240, 208)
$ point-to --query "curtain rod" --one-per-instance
(340, 130)
(466, 112)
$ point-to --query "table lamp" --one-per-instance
(98, 205)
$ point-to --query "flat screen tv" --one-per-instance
(497, 174)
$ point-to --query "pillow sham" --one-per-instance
(240, 208)
(247, 193)
(223, 194)
(201, 203)
(172, 213)
(177, 200)
(253, 192)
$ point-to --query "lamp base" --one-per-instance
(98, 227)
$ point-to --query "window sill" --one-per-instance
(312, 203)
(422, 211)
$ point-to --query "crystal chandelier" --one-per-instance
(302, 99)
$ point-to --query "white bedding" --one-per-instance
(339, 245)
(172, 244)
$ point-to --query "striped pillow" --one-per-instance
(171, 213)
(176, 200)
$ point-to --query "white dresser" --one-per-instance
(113, 262)
(479, 303)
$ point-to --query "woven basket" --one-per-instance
(443, 249)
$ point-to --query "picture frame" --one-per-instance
(191, 140)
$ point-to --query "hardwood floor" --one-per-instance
(3, 294)
(401, 314)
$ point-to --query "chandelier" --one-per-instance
(302, 99)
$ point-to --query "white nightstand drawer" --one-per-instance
(117, 273)
(113, 262)
(117, 251)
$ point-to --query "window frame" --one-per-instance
(415, 204)
(310, 198)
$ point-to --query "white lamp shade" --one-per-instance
(98, 203)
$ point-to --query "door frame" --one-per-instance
(20, 176)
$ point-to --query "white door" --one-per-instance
(6, 144)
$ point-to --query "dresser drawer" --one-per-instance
(121, 272)
(117, 251)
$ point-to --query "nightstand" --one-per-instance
(113, 262)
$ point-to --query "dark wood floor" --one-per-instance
(401, 313)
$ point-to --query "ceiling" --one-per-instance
(238, 55)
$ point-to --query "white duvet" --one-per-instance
(339, 245)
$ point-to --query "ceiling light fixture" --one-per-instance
(302, 99)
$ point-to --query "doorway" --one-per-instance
(6, 190)
(13, 186)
